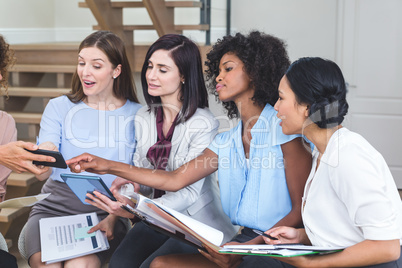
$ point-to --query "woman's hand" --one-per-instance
(14, 156)
(105, 203)
(106, 225)
(222, 260)
(90, 163)
(284, 234)
(48, 145)
(119, 182)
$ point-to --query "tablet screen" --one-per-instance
(82, 184)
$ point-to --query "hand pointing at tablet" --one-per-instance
(89, 163)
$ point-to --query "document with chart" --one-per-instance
(66, 237)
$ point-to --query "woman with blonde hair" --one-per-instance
(97, 116)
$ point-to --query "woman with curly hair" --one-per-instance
(12, 153)
(8, 133)
(261, 171)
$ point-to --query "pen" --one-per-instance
(264, 234)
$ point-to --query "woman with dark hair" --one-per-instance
(187, 58)
(97, 116)
(350, 199)
(174, 127)
(261, 171)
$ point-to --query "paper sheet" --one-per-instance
(58, 241)
(25, 201)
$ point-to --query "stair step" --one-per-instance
(183, 4)
(21, 180)
(27, 118)
(9, 214)
(37, 92)
(198, 27)
(138, 27)
(32, 55)
(130, 27)
(43, 68)
(60, 46)
(181, 27)
(136, 4)
(46, 53)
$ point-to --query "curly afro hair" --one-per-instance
(6, 60)
(265, 61)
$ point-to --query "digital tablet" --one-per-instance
(83, 184)
(60, 163)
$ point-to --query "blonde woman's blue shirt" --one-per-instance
(255, 197)
(76, 128)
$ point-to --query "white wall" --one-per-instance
(369, 41)
(71, 23)
(31, 21)
(27, 14)
(307, 26)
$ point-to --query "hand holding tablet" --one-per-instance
(83, 184)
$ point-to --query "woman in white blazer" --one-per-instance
(176, 118)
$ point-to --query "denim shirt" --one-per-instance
(254, 197)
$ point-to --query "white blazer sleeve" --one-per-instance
(188, 142)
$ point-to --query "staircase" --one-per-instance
(44, 71)
(109, 15)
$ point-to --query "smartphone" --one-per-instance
(264, 234)
(60, 162)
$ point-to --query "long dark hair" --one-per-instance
(186, 56)
(319, 83)
(113, 47)
(265, 61)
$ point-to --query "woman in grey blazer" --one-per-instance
(174, 128)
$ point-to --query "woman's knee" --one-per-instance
(88, 261)
(158, 262)
(35, 261)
